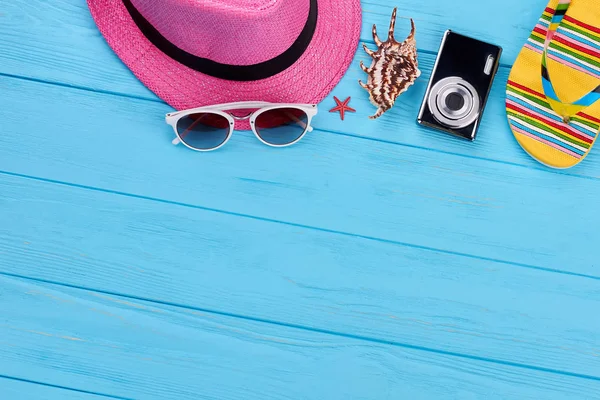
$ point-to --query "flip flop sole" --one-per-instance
(573, 59)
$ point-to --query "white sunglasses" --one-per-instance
(209, 128)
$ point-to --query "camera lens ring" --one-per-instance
(462, 93)
(438, 102)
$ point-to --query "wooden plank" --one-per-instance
(57, 41)
(287, 275)
(135, 349)
(409, 196)
(63, 30)
(15, 388)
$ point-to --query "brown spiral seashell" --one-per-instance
(393, 70)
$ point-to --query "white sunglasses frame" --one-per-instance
(220, 109)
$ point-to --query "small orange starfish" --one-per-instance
(342, 107)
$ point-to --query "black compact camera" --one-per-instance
(459, 86)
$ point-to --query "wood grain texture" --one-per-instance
(58, 42)
(135, 349)
(15, 388)
(257, 269)
(346, 184)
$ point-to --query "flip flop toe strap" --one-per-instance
(565, 110)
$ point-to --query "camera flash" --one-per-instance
(489, 64)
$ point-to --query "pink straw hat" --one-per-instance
(193, 53)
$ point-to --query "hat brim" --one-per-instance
(309, 80)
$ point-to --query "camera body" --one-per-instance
(460, 85)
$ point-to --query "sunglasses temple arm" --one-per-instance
(299, 122)
(176, 141)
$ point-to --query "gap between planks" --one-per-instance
(340, 133)
(70, 389)
(303, 226)
(362, 338)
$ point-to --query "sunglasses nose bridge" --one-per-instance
(241, 117)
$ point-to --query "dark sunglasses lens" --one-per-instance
(281, 126)
(203, 131)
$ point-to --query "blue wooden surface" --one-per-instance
(374, 260)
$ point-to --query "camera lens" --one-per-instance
(454, 102)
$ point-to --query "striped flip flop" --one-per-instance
(553, 87)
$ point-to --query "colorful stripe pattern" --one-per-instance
(530, 115)
(564, 48)
(572, 43)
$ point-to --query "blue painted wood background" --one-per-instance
(374, 260)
